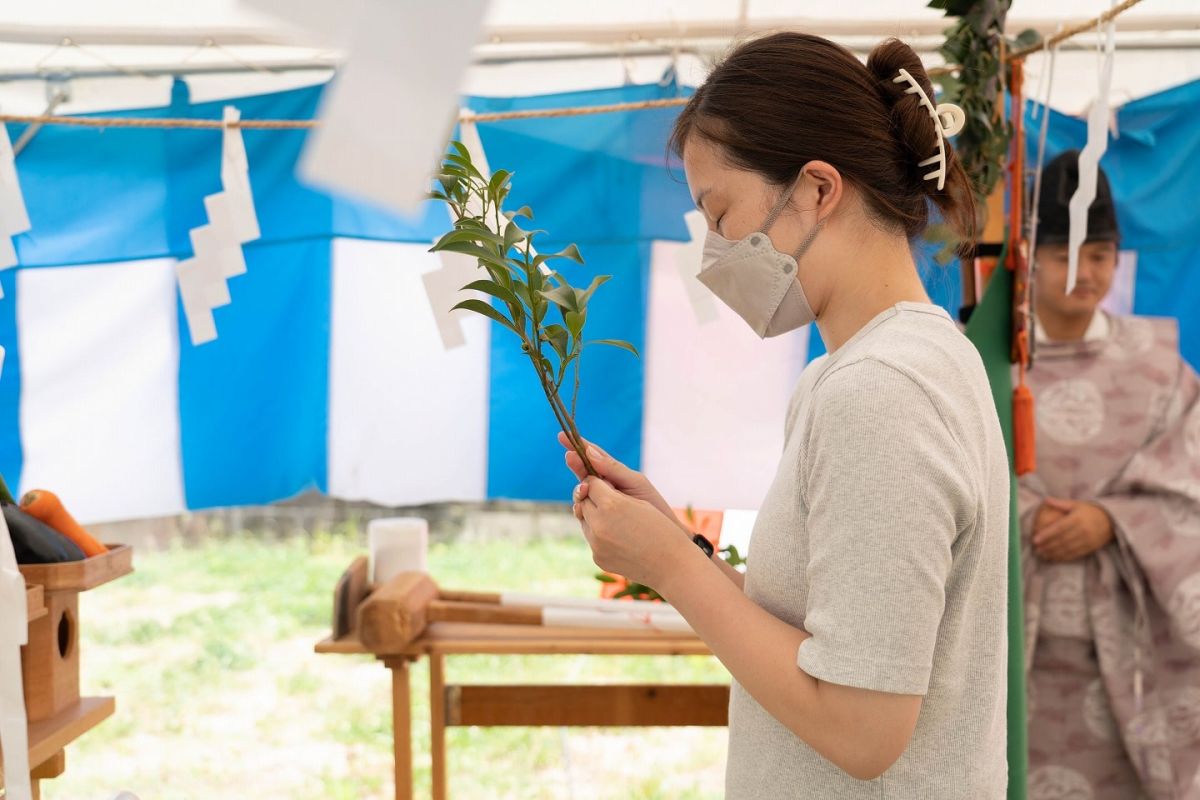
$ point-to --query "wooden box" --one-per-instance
(50, 660)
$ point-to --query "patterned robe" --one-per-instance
(1113, 640)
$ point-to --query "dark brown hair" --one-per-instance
(780, 101)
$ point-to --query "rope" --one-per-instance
(1067, 33)
(293, 124)
(134, 122)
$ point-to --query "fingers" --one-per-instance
(1066, 543)
(1066, 549)
(1057, 528)
(575, 464)
(1059, 504)
(597, 489)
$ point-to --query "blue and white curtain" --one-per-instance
(329, 371)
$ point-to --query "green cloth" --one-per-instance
(990, 330)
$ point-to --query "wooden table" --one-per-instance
(529, 705)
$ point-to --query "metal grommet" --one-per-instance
(756, 240)
(787, 268)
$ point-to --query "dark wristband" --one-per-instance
(703, 544)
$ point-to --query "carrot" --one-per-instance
(46, 506)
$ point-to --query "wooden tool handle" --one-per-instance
(456, 596)
(453, 611)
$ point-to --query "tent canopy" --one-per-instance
(131, 48)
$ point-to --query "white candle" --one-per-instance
(397, 544)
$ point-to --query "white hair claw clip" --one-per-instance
(948, 120)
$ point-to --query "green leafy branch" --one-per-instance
(521, 285)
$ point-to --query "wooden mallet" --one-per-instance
(397, 613)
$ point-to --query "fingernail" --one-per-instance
(593, 453)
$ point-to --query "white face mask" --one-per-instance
(757, 281)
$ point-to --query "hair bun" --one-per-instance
(915, 131)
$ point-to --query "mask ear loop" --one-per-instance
(773, 217)
(808, 240)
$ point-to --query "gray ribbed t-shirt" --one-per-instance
(885, 536)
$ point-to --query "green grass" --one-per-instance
(208, 650)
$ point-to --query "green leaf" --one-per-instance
(563, 297)
(559, 339)
(459, 235)
(615, 343)
(499, 178)
(495, 290)
(512, 235)
(523, 211)
(480, 307)
(597, 282)
(485, 255)
(575, 320)
(1028, 37)
(604, 577)
(571, 252)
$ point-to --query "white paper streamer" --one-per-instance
(443, 289)
(1047, 77)
(386, 117)
(626, 620)
(14, 632)
(14, 219)
(217, 247)
(1089, 159)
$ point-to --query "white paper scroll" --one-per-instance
(217, 246)
(687, 260)
(388, 114)
(1089, 159)
(14, 218)
(593, 603)
(665, 622)
(14, 632)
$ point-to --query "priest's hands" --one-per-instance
(1068, 530)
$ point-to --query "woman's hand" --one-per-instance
(619, 476)
(1068, 530)
(628, 536)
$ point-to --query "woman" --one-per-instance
(867, 640)
(1111, 527)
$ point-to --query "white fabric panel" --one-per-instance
(407, 418)
(100, 388)
(716, 396)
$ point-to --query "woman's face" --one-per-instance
(1097, 263)
(735, 202)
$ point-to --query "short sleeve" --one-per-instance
(887, 490)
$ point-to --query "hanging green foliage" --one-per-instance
(975, 83)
